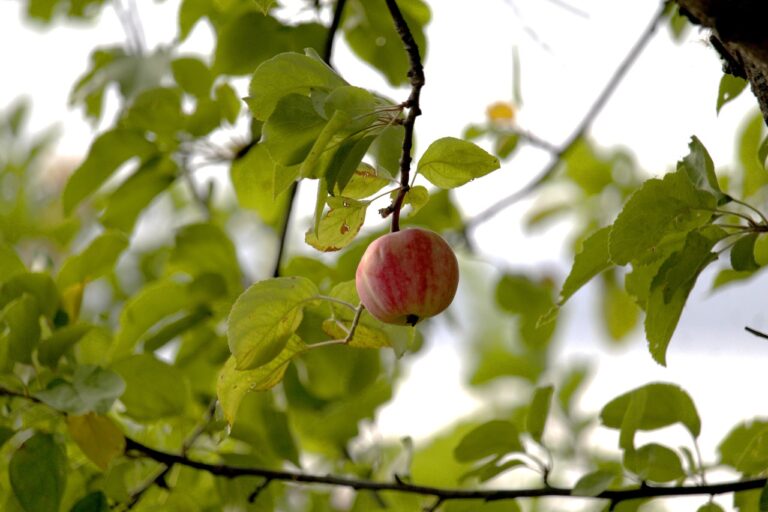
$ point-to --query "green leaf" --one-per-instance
(264, 317)
(495, 437)
(655, 463)
(762, 153)
(753, 172)
(571, 385)
(700, 169)
(38, 285)
(292, 130)
(108, 152)
(370, 33)
(193, 76)
(176, 328)
(229, 102)
(158, 111)
(250, 38)
(134, 195)
(745, 448)
(153, 389)
(94, 261)
(593, 483)
(764, 499)
(665, 404)
(743, 253)
(252, 178)
(339, 226)
(670, 289)
(98, 437)
(205, 248)
(22, 319)
(288, 73)
(234, 384)
(146, 308)
(190, 12)
(451, 162)
(92, 389)
(491, 469)
(592, 259)
(660, 208)
(365, 181)
(619, 310)
(93, 502)
(40, 464)
(345, 160)
(57, 344)
(520, 295)
(538, 412)
(10, 263)
(729, 89)
(710, 507)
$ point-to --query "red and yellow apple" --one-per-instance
(407, 276)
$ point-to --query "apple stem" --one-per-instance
(345, 341)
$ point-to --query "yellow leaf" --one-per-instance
(72, 298)
(98, 437)
(501, 112)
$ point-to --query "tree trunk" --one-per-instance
(740, 35)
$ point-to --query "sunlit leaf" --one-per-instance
(661, 207)
(664, 405)
(153, 389)
(671, 287)
(94, 261)
(234, 384)
(264, 317)
(339, 226)
(108, 152)
(192, 75)
(654, 462)
(98, 437)
(745, 448)
(593, 483)
(729, 89)
(538, 412)
(284, 74)
(495, 437)
(592, 259)
(450, 162)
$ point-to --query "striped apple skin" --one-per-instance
(407, 276)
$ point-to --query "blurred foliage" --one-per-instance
(110, 334)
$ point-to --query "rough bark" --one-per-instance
(740, 35)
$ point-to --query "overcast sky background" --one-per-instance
(668, 95)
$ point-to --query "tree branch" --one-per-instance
(443, 494)
(159, 478)
(416, 76)
(739, 36)
(581, 128)
(327, 54)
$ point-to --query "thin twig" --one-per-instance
(416, 76)
(332, 29)
(159, 478)
(581, 129)
(292, 192)
(445, 494)
(755, 332)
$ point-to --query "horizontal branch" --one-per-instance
(441, 493)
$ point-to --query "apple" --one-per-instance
(407, 276)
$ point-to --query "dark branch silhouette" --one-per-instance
(416, 76)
